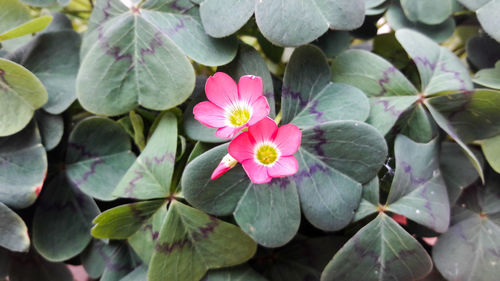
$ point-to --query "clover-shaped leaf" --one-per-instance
(98, 156)
(428, 11)
(191, 242)
(22, 94)
(63, 217)
(486, 11)
(13, 231)
(151, 174)
(380, 250)
(23, 167)
(138, 56)
(489, 77)
(474, 233)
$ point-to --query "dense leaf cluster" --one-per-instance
(102, 163)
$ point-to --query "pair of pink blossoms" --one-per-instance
(264, 150)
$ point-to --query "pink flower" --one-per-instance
(231, 107)
(266, 151)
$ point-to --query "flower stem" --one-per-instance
(277, 119)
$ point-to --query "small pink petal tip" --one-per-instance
(226, 164)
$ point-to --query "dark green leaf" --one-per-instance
(483, 51)
(369, 200)
(33, 267)
(13, 231)
(486, 11)
(93, 259)
(138, 274)
(51, 128)
(333, 42)
(119, 261)
(239, 273)
(98, 156)
(222, 18)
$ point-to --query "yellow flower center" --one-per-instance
(266, 154)
(239, 116)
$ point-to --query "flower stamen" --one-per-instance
(266, 154)
(238, 115)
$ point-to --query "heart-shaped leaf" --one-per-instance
(151, 174)
(491, 150)
(418, 191)
(390, 92)
(376, 7)
(13, 231)
(123, 221)
(243, 272)
(369, 200)
(51, 128)
(427, 11)
(23, 166)
(380, 250)
(489, 77)
(32, 26)
(98, 156)
(54, 58)
(308, 97)
(486, 11)
(119, 261)
(33, 267)
(191, 242)
(474, 234)
(222, 18)
(63, 217)
(21, 94)
(458, 172)
(137, 56)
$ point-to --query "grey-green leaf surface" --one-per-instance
(119, 261)
(191, 242)
(151, 174)
(474, 235)
(13, 231)
(63, 217)
(390, 92)
(486, 14)
(369, 200)
(335, 159)
(45, 3)
(141, 58)
(138, 274)
(381, 250)
(23, 166)
(294, 22)
(418, 191)
(489, 77)
(482, 51)
(22, 93)
(427, 11)
(238, 273)
(98, 156)
(222, 18)
(51, 128)
(491, 150)
(440, 70)
(308, 98)
(122, 221)
(92, 258)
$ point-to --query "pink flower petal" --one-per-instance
(256, 172)
(228, 132)
(288, 139)
(250, 88)
(260, 110)
(285, 166)
(221, 89)
(264, 130)
(242, 147)
(209, 114)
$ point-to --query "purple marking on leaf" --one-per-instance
(364, 252)
(402, 255)
(167, 155)
(167, 248)
(109, 260)
(282, 182)
(86, 175)
(493, 252)
(173, 30)
(3, 162)
(456, 76)
(313, 169)
(457, 229)
(319, 135)
(129, 191)
(425, 62)
(2, 77)
(82, 149)
(204, 231)
(154, 234)
(268, 95)
(155, 43)
(389, 108)
(385, 80)
(287, 93)
(175, 6)
(318, 115)
(137, 213)
(408, 170)
(427, 205)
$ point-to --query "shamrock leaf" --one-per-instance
(486, 14)
(13, 230)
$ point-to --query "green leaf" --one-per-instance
(491, 150)
(23, 166)
(418, 191)
(243, 272)
(390, 92)
(151, 174)
(440, 70)
(380, 250)
(119, 261)
(138, 274)
(54, 58)
(32, 26)
(13, 231)
(63, 217)
(291, 23)
(376, 7)
(123, 221)
(98, 156)
(369, 200)
(474, 235)
(417, 124)
(13, 14)
(132, 58)
(308, 97)
(45, 3)
(397, 19)
(335, 159)
(222, 18)
(21, 94)
(334, 42)
(486, 14)
(138, 126)
(33, 267)
(427, 11)
(51, 128)
(489, 77)
(458, 172)
(191, 242)
(92, 259)
(482, 51)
